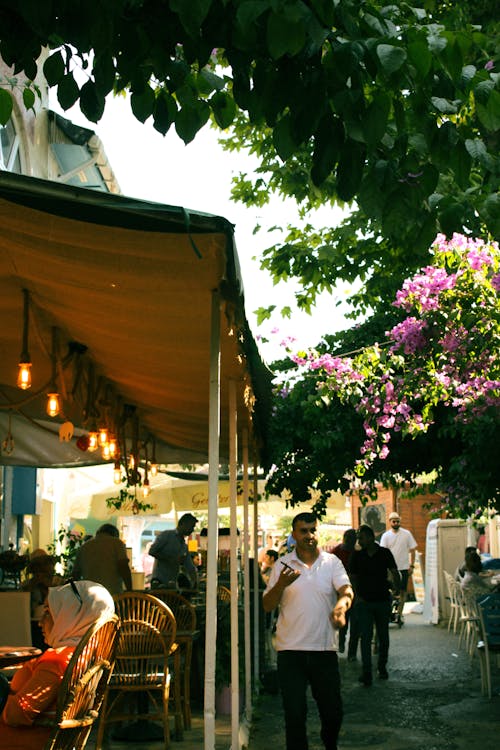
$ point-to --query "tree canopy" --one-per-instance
(424, 400)
(393, 107)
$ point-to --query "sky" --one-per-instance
(198, 176)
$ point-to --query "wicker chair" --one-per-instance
(185, 615)
(223, 593)
(147, 633)
(83, 686)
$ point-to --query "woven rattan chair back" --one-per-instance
(83, 686)
(147, 634)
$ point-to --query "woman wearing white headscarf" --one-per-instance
(71, 609)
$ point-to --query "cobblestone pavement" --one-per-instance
(432, 700)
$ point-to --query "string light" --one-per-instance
(103, 436)
(24, 374)
(93, 441)
(53, 404)
(117, 473)
(153, 468)
(53, 399)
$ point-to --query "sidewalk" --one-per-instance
(432, 701)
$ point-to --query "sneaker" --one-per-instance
(365, 678)
(383, 673)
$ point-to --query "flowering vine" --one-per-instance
(444, 355)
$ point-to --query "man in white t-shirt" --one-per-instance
(403, 546)
(313, 593)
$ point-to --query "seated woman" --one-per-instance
(70, 610)
(473, 581)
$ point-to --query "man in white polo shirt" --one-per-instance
(403, 546)
(313, 593)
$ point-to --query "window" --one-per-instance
(10, 159)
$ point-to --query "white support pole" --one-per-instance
(212, 531)
(256, 576)
(246, 581)
(233, 574)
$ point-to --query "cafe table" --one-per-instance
(13, 655)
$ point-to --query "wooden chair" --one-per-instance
(489, 645)
(83, 686)
(185, 615)
(141, 671)
(223, 593)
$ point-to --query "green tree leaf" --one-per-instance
(224, 109)
(374, 122)
(190, 119)
(67, 91)
(91, 103)
(6, 104)
(164, 112)
(284, 35)
(350, 170)
(28, 97)
(283, 139)
(328, 142)
(191, 14)
(489, 115)
(54, 68)
(143, 103)
(392, 58)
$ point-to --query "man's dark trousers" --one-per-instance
(320, 669)
(368, 614)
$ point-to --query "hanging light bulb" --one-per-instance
(93, 441)
(53, 404)
(24, 374)
(131, 462)
(146, 489)
(105, 452)
(153, 468)
(103, 436)
(117, 473)
(53, 397)
(113, 446)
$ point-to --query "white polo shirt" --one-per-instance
(304, 612)
(400, 543)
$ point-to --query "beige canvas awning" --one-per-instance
(128, 286)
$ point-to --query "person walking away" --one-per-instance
(403, 546)
(313, 592)
(343, 552)
(104, 559)
(369, 568)
(171, 553)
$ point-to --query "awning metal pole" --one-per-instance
(246, 581)
(212, 530)
(233, 574)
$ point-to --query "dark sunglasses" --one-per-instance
(74, 588)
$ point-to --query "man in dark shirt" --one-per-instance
(368, 569)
